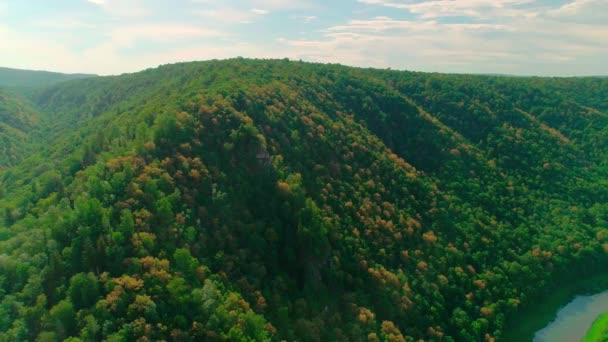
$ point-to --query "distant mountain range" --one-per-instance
(18, 78)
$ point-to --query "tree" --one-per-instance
(84, 290)
(63, 318)
(186, 264)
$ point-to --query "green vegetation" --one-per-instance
(277, 200)
(534, 317)
(599, 330)
(20, 122)
(16, 78)
(17, 121)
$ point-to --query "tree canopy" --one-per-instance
(276, 200)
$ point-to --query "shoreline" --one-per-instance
(532, 318)
(597, 329)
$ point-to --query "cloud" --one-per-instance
(383, 24)
(259, 11)
(582, 11)
(306, 18)
(31, 51)
(111, 55)
(283, 4)
(127, 36)
(505, 36)
(123, 8)
(274, 5)
(246, 11)
(521, 45)
(452, 8)
(228, 15)
(512, 36)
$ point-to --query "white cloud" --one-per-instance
(123, 8)
(259, 11)
(283, 4)
(274, 5)
(380, 24)
(582, 11)
(228, 15)
(522, 45)
(35, 51)
(243, 11)
(453, 8)
(127, 36)
(506, 36)
(306, 18)
(29, 51)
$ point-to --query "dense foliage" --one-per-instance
(260, 200)
(17, 122)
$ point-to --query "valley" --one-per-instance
(278, 200)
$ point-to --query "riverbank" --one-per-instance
(599, 330)
(536, 316)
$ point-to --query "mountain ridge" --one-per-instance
(23, 78)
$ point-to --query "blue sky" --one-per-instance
(529, 37)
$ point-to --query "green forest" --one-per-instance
(269, 200)
(17, 78)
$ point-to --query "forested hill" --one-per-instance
(18, 119)
(20, 122)
(18, 78)
(276, 200)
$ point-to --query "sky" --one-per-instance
(520, 37)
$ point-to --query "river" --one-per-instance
(574, 319)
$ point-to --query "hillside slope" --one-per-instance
(265, 200)
(18, 119)
(18, 78)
